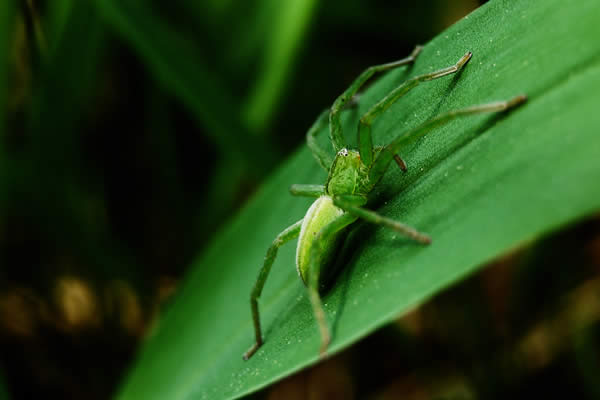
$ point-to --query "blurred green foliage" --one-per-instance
(6, 27)
(131, 132)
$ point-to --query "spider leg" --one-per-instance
(335, 126)
(307, 190)
(321, 155)
(365, 142)
(386, 155)
(346, 204)
(288, 234)
(320, 245)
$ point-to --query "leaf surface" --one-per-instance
(480, 186)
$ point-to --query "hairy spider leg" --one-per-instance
(365, 142)
(353, 206)
(401, 163)
(285, 236)
(321, 155)
(386, 155)
(335, 126)
(307, 190)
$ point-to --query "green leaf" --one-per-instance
(479, 186)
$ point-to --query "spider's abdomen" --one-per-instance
(320, 213)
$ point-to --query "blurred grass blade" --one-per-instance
(3, 392)
(290, 24)
(7, 10)
(48, 179)
(65, 81)
(7, 13)
(177, 64)
(59, 12)
(38, 31)
(480, 186)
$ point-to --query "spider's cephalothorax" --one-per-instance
(348, 175)
(352, 175)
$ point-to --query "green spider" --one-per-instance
(352, 175)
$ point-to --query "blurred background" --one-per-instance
(130, 133)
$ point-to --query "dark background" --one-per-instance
(117, 169)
